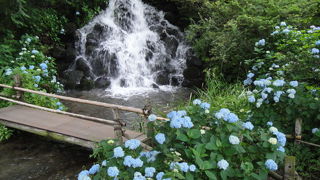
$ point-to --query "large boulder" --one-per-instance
(82, 65)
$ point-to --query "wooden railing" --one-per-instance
(117, 123)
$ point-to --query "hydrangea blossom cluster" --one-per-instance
(234, 140)
(183, 166)
(178, 119)
(314, 130)
(149, 171)
(118, 152)
(223, 164)
(84, 175)
(132, 144)
(113, 171)
(226, 115)
(160, 138)
(150, 155)
(129, 161)
(94, 169)
(248, 125)
(271, 165)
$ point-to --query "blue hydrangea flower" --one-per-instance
(181, 113)
(281, 149)
(43, 66)
(271, 165)
(274, 33)
(94, 169)
(138, 176)
(283, 24)
(269, 123)
(152, 117)
(278, 82)
(118, 152)
(231, 118)
(176, 123)
(314, 130)
(317, 43)
(131, 162)
(247, 82)
(28, 40)
(31, 67)
(264, 95)
(23, 68)
(58, 103)
(315, 51)
(196, 102)
(262, 82)
(286, 31)
(34, 51)
(294, 83)
(160, 138)
(251, 99)
(234, 139)
(37, 78)
(223, 164)
(149, 171)
(132, 144)
(172, 114)
(250, 75)
(8, 72)
(83, 175)
(150, 155)
(36, 85)
(205, 105)
(113, 171)
(261, 42)
(77, 13)
(248, 125)
(186, 122)
(281, 138)
(192, 168)
(160, 175)
(183, 166)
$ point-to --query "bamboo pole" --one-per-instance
(275, 175)
(311, 144)
(60, 112)
(113, 106)
(118, 126)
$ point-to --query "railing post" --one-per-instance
(18, 83)
(289, 168)
(147, 110)
(118, 127)
(297, 130)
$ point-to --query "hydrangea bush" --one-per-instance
(200, 142)
(283, 78)
(37, 72)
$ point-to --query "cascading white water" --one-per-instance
(132, 46)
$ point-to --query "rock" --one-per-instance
(163, 78)
(102, 82)
(192, 73)
(192, 83)
(72, 78)
(70, 54)
(82, 65)
(175, 81)
(155, 86)
(86, 84)
(59, 53)
(192, 60)
(123, 83)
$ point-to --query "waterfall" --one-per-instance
(130, 47)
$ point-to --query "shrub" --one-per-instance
(284, 67)
(225, 35)
(199, 143)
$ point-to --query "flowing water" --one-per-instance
(138, 55)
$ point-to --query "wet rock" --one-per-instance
(123, 83)
(175, 81)
(102, 82)
(192, 73)
(155, 86)
(82, 65)
(163, 78)
(58, 52)
(192, 60)
(72, 78)
(86, 84)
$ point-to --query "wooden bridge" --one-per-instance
(73, 128)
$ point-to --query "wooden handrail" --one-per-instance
(113, 106)
(78, 100)
(110, 122)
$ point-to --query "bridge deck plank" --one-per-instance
(58, 123)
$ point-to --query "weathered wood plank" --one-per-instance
(61, 124)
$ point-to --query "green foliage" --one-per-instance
(37, 72)
(224, 37)
(5, 133)
(221, 94)
(204, 143)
